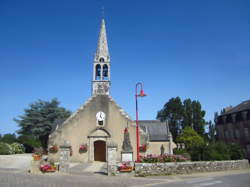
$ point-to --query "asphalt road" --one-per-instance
(12, 178)
(232, 180)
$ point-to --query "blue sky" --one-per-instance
(192, 49)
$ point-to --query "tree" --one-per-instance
(29, 142)
(198, 118)
(211, 134)
(187, 113)
(181, 115)
(173, 113)
(38, 119)
(193, 142)
(9, 138)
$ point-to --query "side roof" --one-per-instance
(245, 105)
(157, 131)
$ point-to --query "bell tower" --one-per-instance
(101, 65)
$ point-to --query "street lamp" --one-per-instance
(142, 94)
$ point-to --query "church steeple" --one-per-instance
(102, 50)
(101, 65)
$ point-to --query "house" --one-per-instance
(233, 126)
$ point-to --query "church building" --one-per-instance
(100, 121)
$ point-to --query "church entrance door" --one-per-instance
(100, 150)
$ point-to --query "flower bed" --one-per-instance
(163, 158)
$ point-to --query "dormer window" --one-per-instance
(101, 59)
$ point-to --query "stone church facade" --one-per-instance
(100, 121)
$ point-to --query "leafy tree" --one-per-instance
(29, 142)
(198, 118)
(188, 113)
(193, 142)
(9, 138)
(173, 113)
(181, 115)
(39, 117)
(211, 134)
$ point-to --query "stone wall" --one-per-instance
(147, 169)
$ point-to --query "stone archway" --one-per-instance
(100, 151)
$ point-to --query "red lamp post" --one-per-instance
(142, 94)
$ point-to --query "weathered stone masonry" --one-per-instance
(150, 169)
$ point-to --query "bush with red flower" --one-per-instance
(53, 149)
(83, 148)
(143, 148)
(163, 158)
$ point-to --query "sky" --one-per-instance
(192, 49)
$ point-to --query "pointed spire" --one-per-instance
(102, 48)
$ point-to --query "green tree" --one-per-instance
(181, 115)
(193, 142)
(173, 113)
(211, 134)
(9, 138)
(38, 119)
(29, 142)
(187, 113)
(198, 118)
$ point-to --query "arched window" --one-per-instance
(105, 72)
(101, 59)
(98, 72)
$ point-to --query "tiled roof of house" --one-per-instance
(245, 105)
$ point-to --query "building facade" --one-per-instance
(233, 126)
(100, 121)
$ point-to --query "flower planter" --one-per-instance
(83, 148)
(128, 169)
(37, 157)
(53, 149)
(47, 168)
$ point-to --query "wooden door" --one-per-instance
(100, 151)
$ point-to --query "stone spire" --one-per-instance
(101, 66)
(102, 50)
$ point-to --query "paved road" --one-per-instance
(12, 178)
(214, 180)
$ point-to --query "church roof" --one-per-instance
(245, 105)
(156, 130)
(60, 123)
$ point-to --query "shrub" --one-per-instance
(182, 152)
(236, 152)
(17, 148)
(222, 151)
(163, 158)
(5, 149)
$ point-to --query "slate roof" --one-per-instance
(156, 130)
(245, 105)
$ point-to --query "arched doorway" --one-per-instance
(100, 150)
